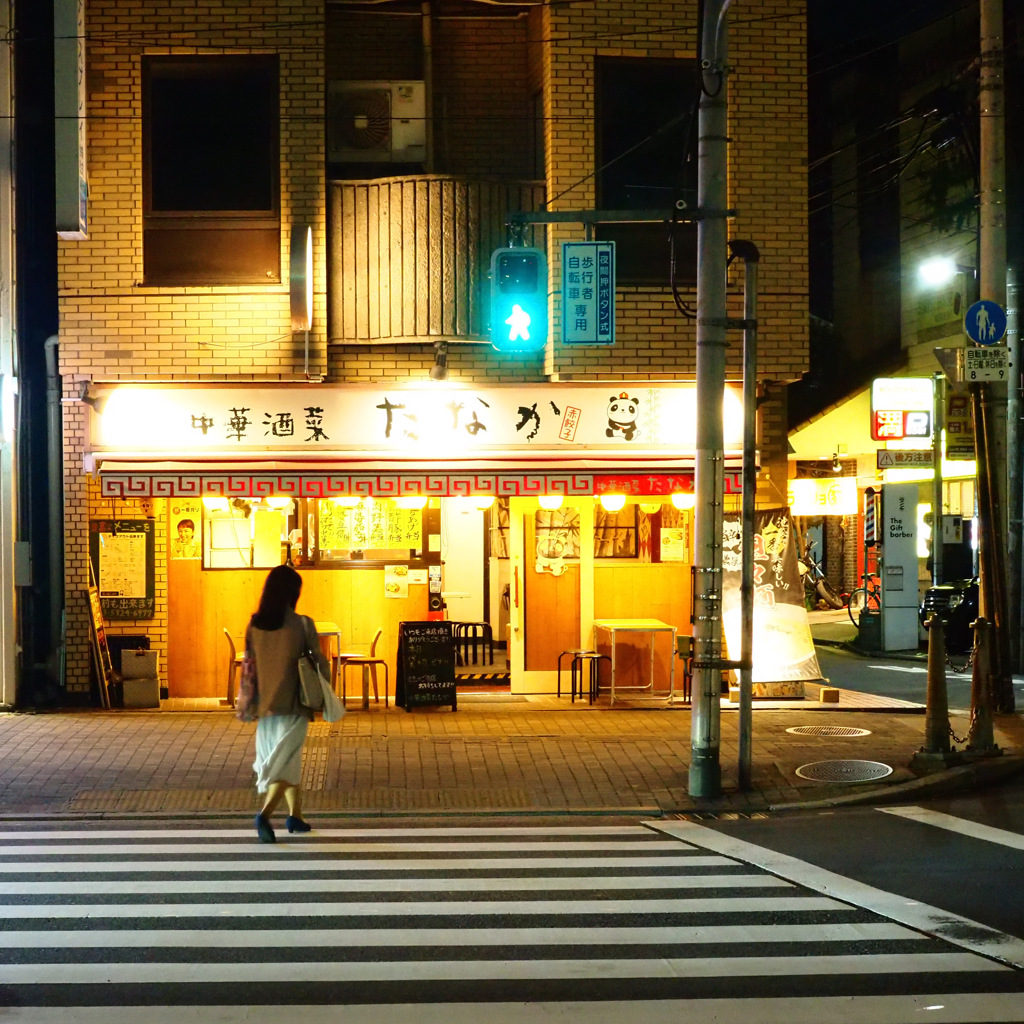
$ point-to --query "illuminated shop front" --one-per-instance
(535, 508)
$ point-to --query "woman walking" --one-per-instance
(277, 638)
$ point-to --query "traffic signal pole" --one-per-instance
(705, 777)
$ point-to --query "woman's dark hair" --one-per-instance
(280, 592)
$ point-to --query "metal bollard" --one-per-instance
(936, 749)
(981, 740)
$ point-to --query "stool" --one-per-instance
(470, 635)
(579, 662)
(573, 653)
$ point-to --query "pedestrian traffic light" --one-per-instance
(519, 300)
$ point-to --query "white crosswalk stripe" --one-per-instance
(491, 924)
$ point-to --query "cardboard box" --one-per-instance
(141, 693)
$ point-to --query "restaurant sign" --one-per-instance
(431, 423)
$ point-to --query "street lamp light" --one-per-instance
(937, 271)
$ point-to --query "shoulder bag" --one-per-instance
(315, 690)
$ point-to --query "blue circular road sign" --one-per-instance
(985, 322)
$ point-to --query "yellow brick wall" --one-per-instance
(113, 327)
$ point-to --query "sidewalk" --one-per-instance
(498, 754)
(514, 757)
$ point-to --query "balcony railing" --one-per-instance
(409, 257)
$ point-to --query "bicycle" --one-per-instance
(815, 580)
(867, 596)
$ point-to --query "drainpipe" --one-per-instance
(428, 88)
(55, 503)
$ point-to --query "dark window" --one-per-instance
(646, 159)
(211, 170)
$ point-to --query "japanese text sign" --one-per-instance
(588, 293)
(435, 422)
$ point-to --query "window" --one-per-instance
(210, 170)
(615, 533)
(646, 158)
(257, 533)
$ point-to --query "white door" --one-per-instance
(462, 558)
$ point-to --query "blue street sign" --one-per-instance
(985, 322)
(588, 293)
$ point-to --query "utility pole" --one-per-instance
(990, 399)
(712, 195)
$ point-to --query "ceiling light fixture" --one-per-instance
(612, 502)
(549, 501)
(684, 500)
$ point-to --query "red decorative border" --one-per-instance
(393, 485)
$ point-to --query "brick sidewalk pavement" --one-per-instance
(529, 757)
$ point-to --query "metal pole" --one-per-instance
(705, 778)
(938, 398)
(991, 398)
(1015, 476)
(746, 722)
(936, 749)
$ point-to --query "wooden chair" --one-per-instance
(369, 663)
(234, 666)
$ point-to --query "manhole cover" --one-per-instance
(844, 771)
(828, 730)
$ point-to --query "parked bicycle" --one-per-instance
(816, 584)
(866, 596)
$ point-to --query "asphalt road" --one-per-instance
(892, 677)
(964, 855)
(520, 922)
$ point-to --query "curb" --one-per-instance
(959, 779)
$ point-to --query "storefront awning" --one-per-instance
(382, 440)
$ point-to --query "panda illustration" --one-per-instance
(622, 413)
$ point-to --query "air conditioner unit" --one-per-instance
(376, 122)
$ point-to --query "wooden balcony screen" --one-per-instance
(409, 257)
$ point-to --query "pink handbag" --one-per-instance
(247, 701)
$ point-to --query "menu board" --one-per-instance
(369, 526)
(122, 554)
(426, 665)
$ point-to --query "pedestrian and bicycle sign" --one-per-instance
(985, 322)
(588, 293)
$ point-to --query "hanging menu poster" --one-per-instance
(122, 555)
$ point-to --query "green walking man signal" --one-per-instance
(519, 300)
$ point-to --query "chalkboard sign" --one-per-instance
(426, 665)
(122, 560)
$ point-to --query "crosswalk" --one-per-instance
(620, 923)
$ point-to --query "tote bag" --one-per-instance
(315, 690)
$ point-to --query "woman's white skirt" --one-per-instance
(279, 740)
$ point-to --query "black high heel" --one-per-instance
(264, 831)
(297, 825)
